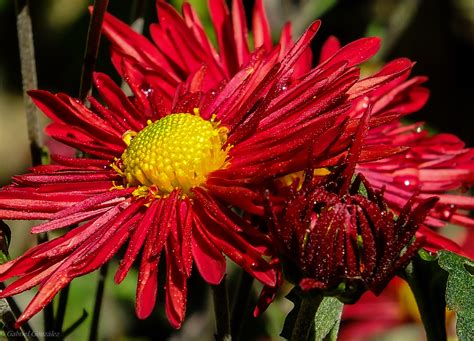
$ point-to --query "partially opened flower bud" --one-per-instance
(344, 243)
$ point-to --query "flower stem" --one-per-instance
(8, 315)
(48, 311)
(75, 325)
(30, 82)
(29, 78)
(92, 46)
(94, 331)
(240, 303)
(221, 310)
(305, 319)
(137, 18)
(428, 286)
(61, 311)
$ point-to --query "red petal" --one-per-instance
(176, 290)
(137, 240)
(239, 25)
(329, 48)
(356, 52)
(260, 27)
(209, 260)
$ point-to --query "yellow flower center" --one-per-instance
(175, 152)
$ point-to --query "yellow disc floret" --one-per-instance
(175, 152)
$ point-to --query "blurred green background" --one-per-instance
(438, 34)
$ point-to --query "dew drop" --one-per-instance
(448, 211)
(147, 90)
(409, 181)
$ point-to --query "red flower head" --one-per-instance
(337, 235)
(437, 164)
(431, 165)
(165, 166)
(347, 239)
(203, 132)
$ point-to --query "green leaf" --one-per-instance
(327, 319)
(290, 320)
(428, 284)
(460, 291)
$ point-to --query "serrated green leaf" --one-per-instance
(460, 291)
(327, 319)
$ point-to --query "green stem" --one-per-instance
(92, 46)
(48, 311)
(75, 325)
(28, 77)
(429, 287)
(94, 331)
(61, 311)
(137, 19)
(240, 303)
(9, 311)
(221, 310)
(305, 319)
(30, 82)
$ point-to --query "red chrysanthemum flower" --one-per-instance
(337, 232)
(432, 165)
(347, 239)
(165, 166)
(437, 164)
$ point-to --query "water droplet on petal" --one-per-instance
(448, 211)
(407, 179)
(147, 90)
